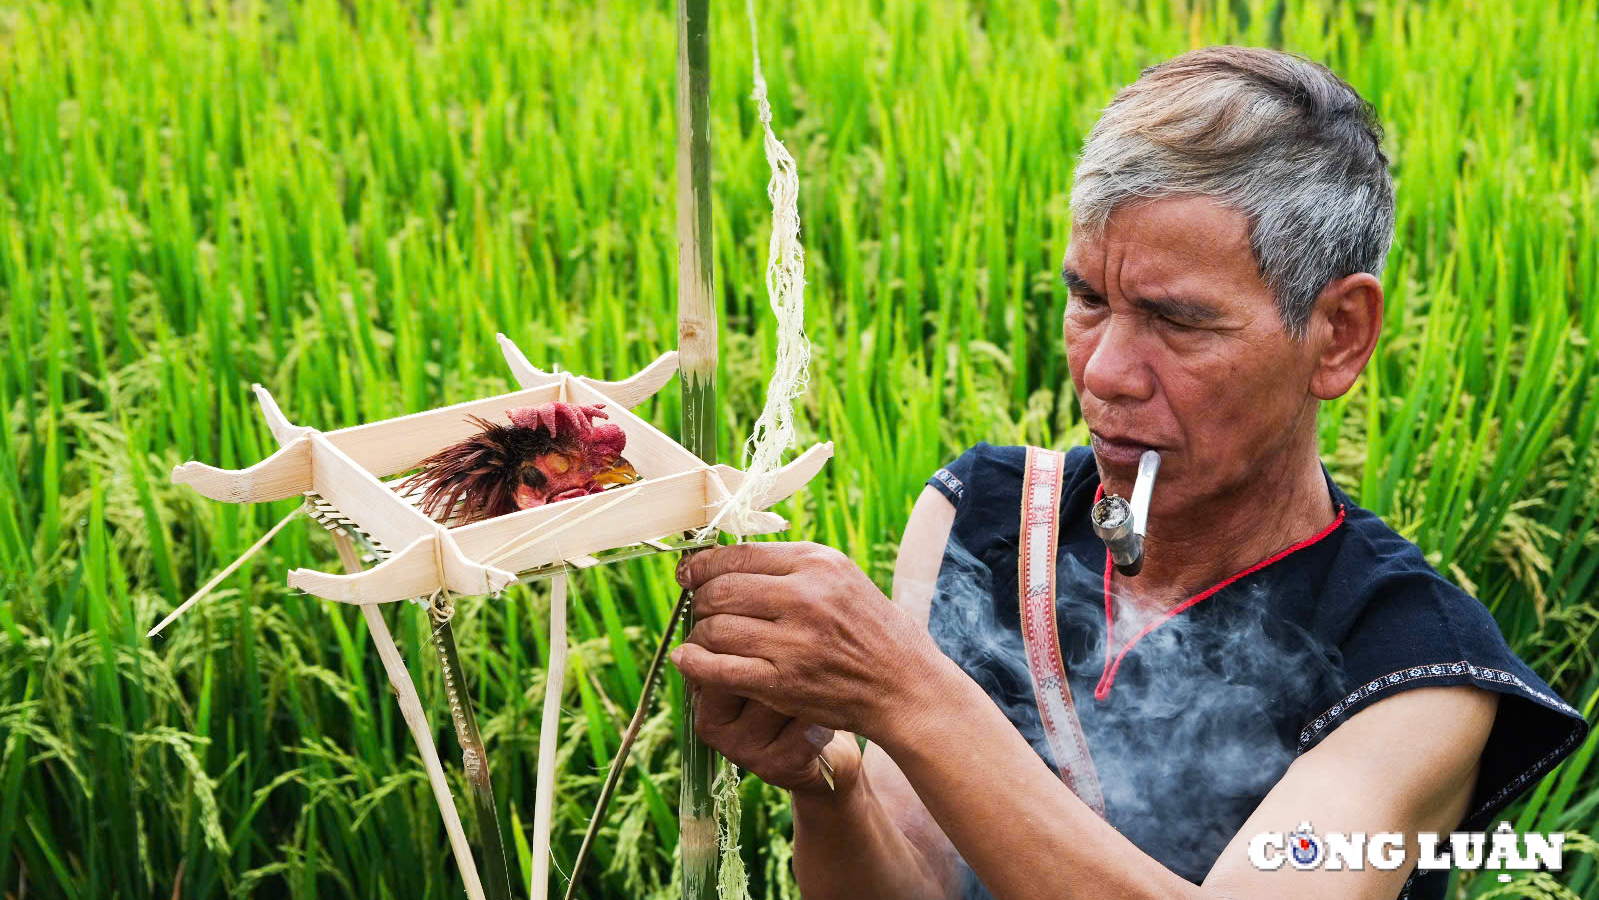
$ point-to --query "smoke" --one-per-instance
(1201, 719)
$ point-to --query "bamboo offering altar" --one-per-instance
(355, 483)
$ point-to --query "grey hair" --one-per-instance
(1274, 136)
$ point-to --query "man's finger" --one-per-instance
(815, 737)
(767, 558)
(717, 708)
(760, 724)
(740, 635)
(736, 674)
(740, 593)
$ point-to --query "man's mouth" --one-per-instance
(1118, 451)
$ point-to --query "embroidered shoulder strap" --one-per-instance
(1040, 538)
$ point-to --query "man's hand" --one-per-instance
(802, 630)
(782, 751)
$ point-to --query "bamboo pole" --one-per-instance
(549, 744)
(474, 762)
(416, 721)
(619, 762)
(696, 344)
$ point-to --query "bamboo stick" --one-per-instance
(549, 742)
(696, 345)
(619, 762)
(218, 578)
(416, 721)
(474, 762)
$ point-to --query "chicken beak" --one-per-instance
(621, 473)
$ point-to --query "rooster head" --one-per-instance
(551, 452)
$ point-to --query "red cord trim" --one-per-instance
(1102, 690)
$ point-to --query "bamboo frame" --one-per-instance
(341, 472)
(679, 492)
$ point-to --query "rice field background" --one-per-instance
(344, 201)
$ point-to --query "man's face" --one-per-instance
(1174, 342)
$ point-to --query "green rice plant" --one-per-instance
(345, 199)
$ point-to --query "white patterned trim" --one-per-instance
(948, 479)
(1328, 719)
(1436, 670)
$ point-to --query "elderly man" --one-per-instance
(1282, 657)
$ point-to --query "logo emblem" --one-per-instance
(1304, 848)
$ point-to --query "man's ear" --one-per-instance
(1345, 322)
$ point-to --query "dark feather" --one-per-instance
(481, 473)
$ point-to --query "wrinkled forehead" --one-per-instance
(1174, 246)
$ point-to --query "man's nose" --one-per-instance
(1118, 363)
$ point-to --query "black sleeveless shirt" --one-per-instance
(1194, 723)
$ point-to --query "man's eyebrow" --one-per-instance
(1171, 307)
(1075, 282)
(1174, 308)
